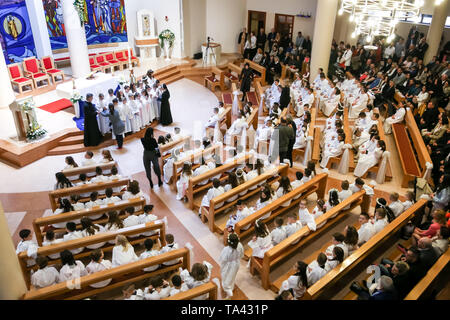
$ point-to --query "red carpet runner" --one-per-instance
(57, 105)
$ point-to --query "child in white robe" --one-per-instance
(298, 282)
(409, 200)
(316, 269)
(278, 234)
(73, 234)
(147, 216)
(335, 258)
(183, 183)
(45, 276)
(396, 118)
(168, 166)
(333, 149)
(110, 198)
(72, 269)
(368, 159)
(292, 225)
(88, 159)
(306, 218)
(149, 252)
(103, 122)
(229, 263)
(366, 229)
(98, 264)
(395, 204)
(338, 241)
(49, 240)
(124, 111)
(90, 229)
(345, 192)
(285, 188)
(123, 252)
(154, 100)
(134, 114)
(319, 209)
(262, 241)
(380, 220)
(213, 192)
(200, 274)
(170, 245)
(93, 202)
(158, 289)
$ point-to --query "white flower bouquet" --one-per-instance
(166, 35)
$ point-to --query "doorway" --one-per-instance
(256, 21)
(284, 24)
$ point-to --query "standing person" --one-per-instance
(271, 37)
(229, 263)
(92, 134)
(291, 124)
(166, 115)
(246, 78)
(261, 39)
(151, 156)
(285, 97)
(285, 133)
(252, 45)
(118, 127)
(242, 40)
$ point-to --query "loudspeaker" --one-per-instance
(198, 55)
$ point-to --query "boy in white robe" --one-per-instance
(213, 192)
(395, 204)
(278, 234)
(380, 220)
(306, 218)
(124, 111)
(98, 264)
(45, 276)
(396, 118)
(338, 240)
(409, 200)
(110, 97)
(73, 234)
(133, 114)
(366, 229)
(109, 197)
(292, 226)
(158, 289)
(316, 269)
(103, 122)
(170, 245)
(88, 159)
(149, 252)
(211, 123)
(345, 192)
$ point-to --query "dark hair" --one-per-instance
(359, 181)
(71, 226)
(345, 185)
(176, 280)
(351, 236)
(96, 255)
(148, 244)
(148, 134)
(261, 229)
(285, 183)
(67, 258)
(338, 236)
(113, 219)
(233, 240)
(299, 175)
(445, 232)
(259, 165)
(170, 238)
(70, 161)
(42, 261)
(66, 205)
(307, 172)
(338, 254)
(148, 208)
(232, 179)
(50, 235)
(216, 183)
(114, 170)
(334, 198)
(87, 225)
(129, 210)
(98, 170)
(93, 196)
(62, 181)
(133, 187)
(24, 233)
(83, 176)
(311, 165)
(301, 273)
(109, 192)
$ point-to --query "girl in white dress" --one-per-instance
(306, 218)
(265, 198)
(333, 199)
(334, 149)
(114, 223)
(124, 111)
(71, 269)
(351, 239)
(229, 263)
(183, 182)
(134, 114)
(123, 252)
(90, 229)
(285, 188)
(153, 94)
(262, 241)
(369, 159)
(298, 282)
(134, 191)
(232, 183)
(168, 166)
(236, 128)
(213, 192)
(49, 240)
(98, 264)
(200, 274)
(337, 258)
(103, 122)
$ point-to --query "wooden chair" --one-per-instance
(94, 66)
(111, 59)
(48, 66)
(216, 79)
(232, 75)
(17, 78)
(101, 61)
(258, 68)
(121, 276)
(31, 69)
(121, 57)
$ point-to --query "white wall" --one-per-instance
(170, 8)
(291, 7)
(224, 21)
(194, 23)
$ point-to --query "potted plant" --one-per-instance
(166, 41)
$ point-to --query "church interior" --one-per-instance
(224, 150)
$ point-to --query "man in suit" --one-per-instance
(271, 37)
(261, 39)
(285, 133)
(92, 134)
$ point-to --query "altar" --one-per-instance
(100, 84)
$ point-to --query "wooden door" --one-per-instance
(284, 24)
(256, 21)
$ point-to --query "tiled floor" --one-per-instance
(25, 198)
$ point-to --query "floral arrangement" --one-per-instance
(35, 131)
(76, 96)
(80, 7)
(27, 105)
(166, 35)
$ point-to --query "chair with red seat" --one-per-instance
(112, 61)
(31, 69)
(122, 58)
(17, 78)
(101, 61)
(133, 58)
(94, 65)
(48, 66)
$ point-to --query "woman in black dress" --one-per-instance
(246, 78)
(166, 115)
(151, 156)
(92, 135)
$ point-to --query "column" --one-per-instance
(6, 92)
(12, 283)
(76, 41)
(436, 29)
(39, 27)
(323, 35)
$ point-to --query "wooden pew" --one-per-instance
(435, 279)
(209, 288)
(157, 226)
(216, 79)
(224, 123)
(361, 254)
(398, 96)
(72, 174)
(375, 169)
(168, 147)
(210, 213)
(121, 276)
(299, 239)
(258, 68)
(316, 185)
(87, 188)
(40, 223)
(348, 140)
(195, 188)
(215, 149)
(232, 73)
(253, 98)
